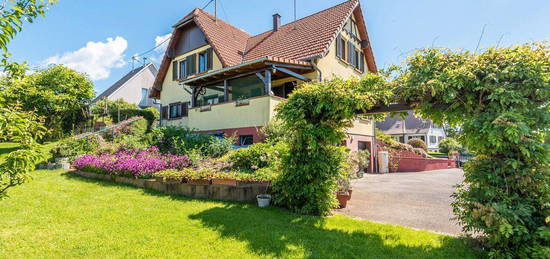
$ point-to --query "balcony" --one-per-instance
(252, 112)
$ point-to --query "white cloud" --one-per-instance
(96, 58)
(163, 40)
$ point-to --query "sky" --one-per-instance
(100, 37)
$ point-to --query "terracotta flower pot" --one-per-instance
(231, 182)
(199, 181)
(343, 199)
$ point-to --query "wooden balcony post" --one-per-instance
(225, 91)
(267, 82)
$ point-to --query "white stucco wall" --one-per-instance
(131, 90)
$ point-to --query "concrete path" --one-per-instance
(419, 200)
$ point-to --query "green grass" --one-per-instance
(59, 215)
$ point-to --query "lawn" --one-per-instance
(64, 216)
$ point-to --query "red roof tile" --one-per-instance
(308, 37)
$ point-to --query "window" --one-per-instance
(363, 145)
(440, 138)
(205, 60)
(402, 139)
(164, 112)
(341, 47)
(182, 69)
(246, 140)
(144, 96)
(362, 62)
(178, 110)
(433, 139)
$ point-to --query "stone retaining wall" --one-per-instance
(244, 193)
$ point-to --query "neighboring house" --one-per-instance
(134, 87)
(216, 78)
(413, 127)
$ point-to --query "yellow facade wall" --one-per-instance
(228, 116)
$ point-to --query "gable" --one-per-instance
(191, 37)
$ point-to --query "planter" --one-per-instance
(263, 200)
(163, 180)
(343, 198)
(230, 182)
(199, 181)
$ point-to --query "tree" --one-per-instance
(501, 100)
(418, 143)
(23, 128)
(59, 94)
(12, 15)
(15, 124)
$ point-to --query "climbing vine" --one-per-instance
(501, 100)
(315, 116)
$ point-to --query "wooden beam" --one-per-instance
(293, 74)
(387, 108)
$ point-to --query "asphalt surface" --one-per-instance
(419, 200)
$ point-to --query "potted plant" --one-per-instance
(343, 198)
(200, 177)
(344, 188)
(225, 178)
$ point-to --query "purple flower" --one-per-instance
(141, 163)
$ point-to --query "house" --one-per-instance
(413, 127)
(218, 79)
(134, 87)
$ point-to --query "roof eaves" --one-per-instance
(326, 49)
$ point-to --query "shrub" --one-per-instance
(315, 117)
(183, 141)
(73, 147)
(418, 143)
(171, 174)
(141, 163)
(256, 156)
(218, 147)
(273, 131)
(448, 145)
(357, 161)
(200, 174)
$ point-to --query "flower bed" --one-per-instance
(138, 163)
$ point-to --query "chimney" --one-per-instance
(276, 22)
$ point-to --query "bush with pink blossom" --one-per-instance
(138, 163)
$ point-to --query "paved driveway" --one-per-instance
(419, 200)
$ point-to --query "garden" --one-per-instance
(498, 97)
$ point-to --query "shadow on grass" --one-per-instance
(275, 232)
(9, 149)
(107, 183)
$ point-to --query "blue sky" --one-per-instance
(100, 36)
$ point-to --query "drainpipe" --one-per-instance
(313, 61)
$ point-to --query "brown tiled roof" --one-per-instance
(305, 38)
(308, 37)
(227, 40)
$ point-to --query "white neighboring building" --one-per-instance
(134, 87)
(413, 127)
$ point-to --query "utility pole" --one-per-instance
(294, 10)
(216, 11)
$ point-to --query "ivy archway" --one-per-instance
(500, 98)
